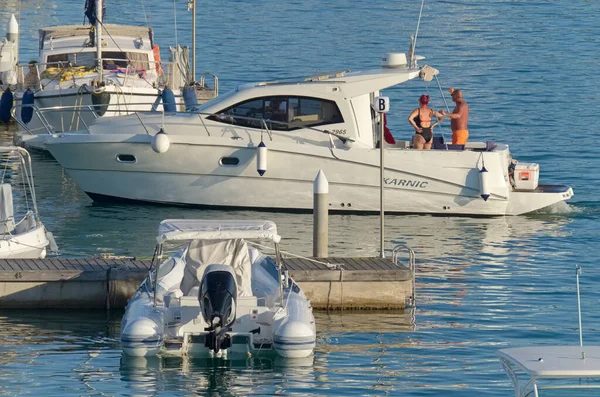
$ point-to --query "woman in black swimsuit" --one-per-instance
(420, 119)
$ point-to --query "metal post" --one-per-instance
(320, 216)
(194, 41)
(99, 39)
(381, 184)
(381, 104)
(577, 273)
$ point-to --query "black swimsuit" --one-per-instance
(426, 134)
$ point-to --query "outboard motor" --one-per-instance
(218, 294)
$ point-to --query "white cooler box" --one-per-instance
(526, 176)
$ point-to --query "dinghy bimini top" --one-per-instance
(194, 229)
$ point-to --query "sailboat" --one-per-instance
(99, 70)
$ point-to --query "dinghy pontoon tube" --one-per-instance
(218, 296)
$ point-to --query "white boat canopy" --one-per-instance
(550, 362)
(194, 229)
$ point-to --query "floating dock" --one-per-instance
(96, 283)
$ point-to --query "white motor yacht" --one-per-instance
(218, 296)
(217, 154)
(90, 71)
(27, 237)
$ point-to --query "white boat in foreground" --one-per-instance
(550, 363)
(218, 296)
(26, 238)
(561, 367)
(210, 157)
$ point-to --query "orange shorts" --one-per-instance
(459, 137)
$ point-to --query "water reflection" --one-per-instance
(38, 326)
(223, 377)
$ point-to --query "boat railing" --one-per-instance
(265, 125)
(27, 169)
(202, 82)
(156, 74)
(411, 300)
(77, 111)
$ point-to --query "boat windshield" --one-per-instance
(215, 101)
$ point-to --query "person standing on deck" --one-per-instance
(420, 119)
(459, 118)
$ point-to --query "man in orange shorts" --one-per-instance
(459, 118)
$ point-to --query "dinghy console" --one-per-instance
(217, 297)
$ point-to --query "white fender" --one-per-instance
(53, 246)
(261, 158)
(484, 183)
(160, 142)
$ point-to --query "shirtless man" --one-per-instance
(459, 118)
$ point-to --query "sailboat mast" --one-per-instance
(194, 40)
(99, 38)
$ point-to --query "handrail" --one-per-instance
(90, 108)
(215, 80)
(411, 301)
(25, 159)
(40, 115)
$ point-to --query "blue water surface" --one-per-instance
(528, 70)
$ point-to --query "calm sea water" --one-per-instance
(529, 73)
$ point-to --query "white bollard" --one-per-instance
(320, 216)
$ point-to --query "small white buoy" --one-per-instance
(484, 183)
(261, 158)
(160, 142)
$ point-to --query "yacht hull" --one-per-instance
(192, 173)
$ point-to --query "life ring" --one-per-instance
(156, 51)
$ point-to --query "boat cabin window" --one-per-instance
(76, 59)
(117, 59)
(110, 60)
(282, 113)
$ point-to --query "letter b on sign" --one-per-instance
(381, 104)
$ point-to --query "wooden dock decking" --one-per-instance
(330, 283)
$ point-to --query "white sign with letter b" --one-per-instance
(381, 104)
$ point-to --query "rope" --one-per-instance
(145, 16)
(25, 181)
(342, 289)
(414, 46)
(442, 92)
(446, 104)
(4, 170)
(78, 103)
(332, 266)
(175, 27)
